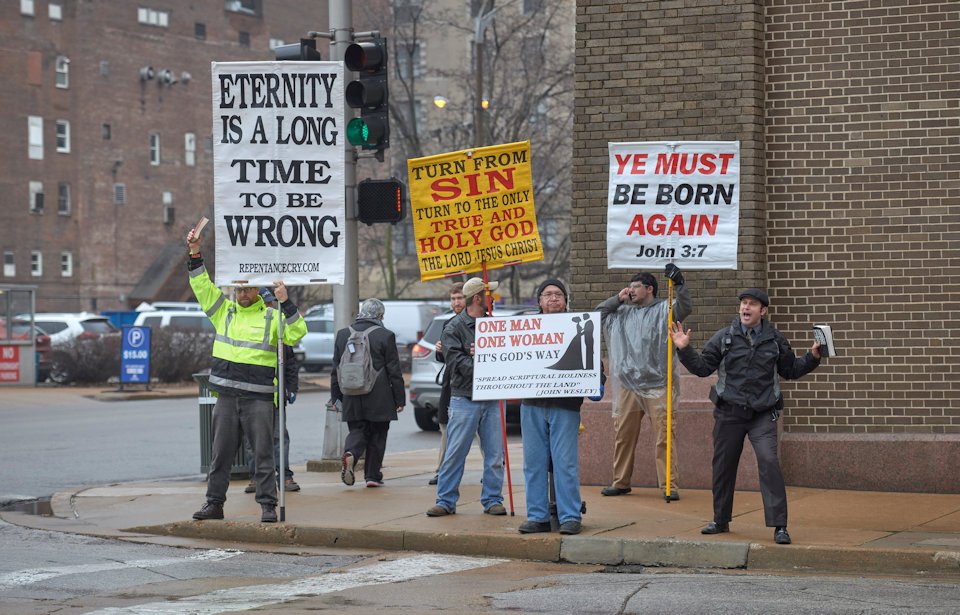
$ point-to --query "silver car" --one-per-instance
(424, 389)
(316, 347)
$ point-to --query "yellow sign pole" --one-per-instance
(666, 493)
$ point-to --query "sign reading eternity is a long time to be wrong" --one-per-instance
(278, 160)
(537, 355)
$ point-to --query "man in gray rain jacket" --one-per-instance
(636, 324)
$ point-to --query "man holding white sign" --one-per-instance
(243, 374)
(550, 427)
(636, 324)
(468, 416)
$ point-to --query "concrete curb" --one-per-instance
(580, 549)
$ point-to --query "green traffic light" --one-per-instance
(358, 133)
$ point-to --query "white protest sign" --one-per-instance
(278, 155)
(537, 355)
(673, 202)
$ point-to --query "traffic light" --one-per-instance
(380, 200)
(306, 49)
(368, 93)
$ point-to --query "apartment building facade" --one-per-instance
(107, 141)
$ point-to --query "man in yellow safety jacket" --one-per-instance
(242, 373)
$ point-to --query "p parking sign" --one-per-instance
(135, 355)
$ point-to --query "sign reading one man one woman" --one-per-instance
(278, 156)
(537, 355)
(673, 202)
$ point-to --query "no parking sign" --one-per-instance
(135, 355)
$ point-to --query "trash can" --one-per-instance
(207, 401)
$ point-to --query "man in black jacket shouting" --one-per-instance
(749, 357)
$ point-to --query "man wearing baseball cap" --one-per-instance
(466, 416)
(750, 356)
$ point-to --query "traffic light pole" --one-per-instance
(346, 297)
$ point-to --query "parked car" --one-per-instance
(168, 305)
(21, 330)
(424, 390)
(316, 347)
(186, 320)
(64, 327)
(409, 321)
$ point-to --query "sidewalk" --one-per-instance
(833, 531)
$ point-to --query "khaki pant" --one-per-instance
(631, 408)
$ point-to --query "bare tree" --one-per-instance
(528, 60)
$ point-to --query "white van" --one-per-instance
(409, 320)
(184, 320)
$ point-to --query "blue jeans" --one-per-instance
(468, 418)
(550, 434)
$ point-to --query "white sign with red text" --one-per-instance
(537, 355)
(673, 202)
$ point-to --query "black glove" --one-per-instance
(673, 272)
(291, 396)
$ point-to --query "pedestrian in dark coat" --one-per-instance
(368, 416)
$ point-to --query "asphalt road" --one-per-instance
(55, 440)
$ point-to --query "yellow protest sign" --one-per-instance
(473, 207)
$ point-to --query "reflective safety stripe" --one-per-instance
(266, 330)
(216, 305)
(241, 344)
(293, 319)
(202, 269)
(241, 386)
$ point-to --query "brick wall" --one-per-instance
(862, 185)
(848, 119)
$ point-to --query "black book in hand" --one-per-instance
(823, 334)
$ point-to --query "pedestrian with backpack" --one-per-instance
(368, 384)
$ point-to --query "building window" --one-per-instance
(200, 31)
(404, 11)
(26, 7)
(244, 39)
(35, 131)
(105, 131)
(276, 42)
(408, 62)
(104, 68)
(36, 263)
(532, 6)
(154, 148)
(476, 5)
(63, 72)
(9, 265)
(36, 197)
(151, 17)
(168, 211)
(63, 199)
(66, 264)
(55, 11)
(63, 136)
(119, 194)
(190, 149)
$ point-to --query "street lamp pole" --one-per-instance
(483, 19)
